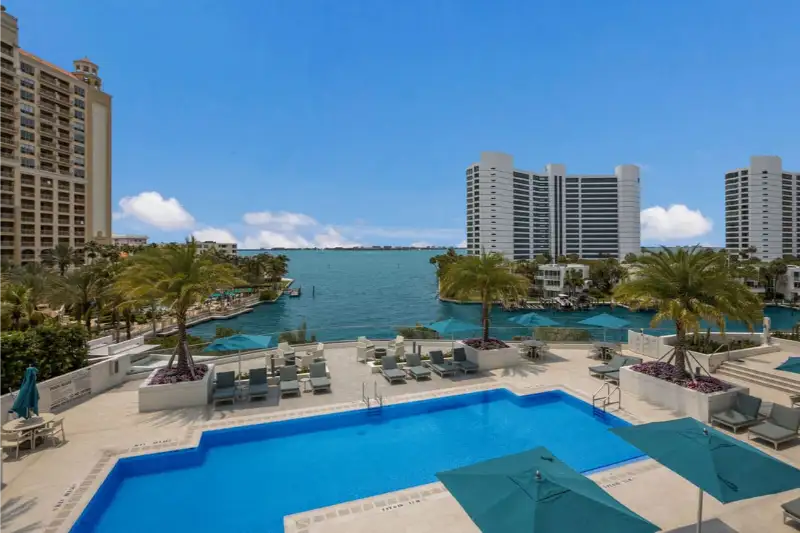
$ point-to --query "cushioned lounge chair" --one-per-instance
(791, 510)
(288, 383)
(614, 365)
(257, 383)
(439, 365)
(743, 413)
(225, 388)
(390, 370)
(319, 377)
(415, 369)
(780, 426)
(460, 360)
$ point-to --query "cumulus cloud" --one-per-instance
(462, 244)
(153, 209)
(331, 238)
(214, 234)
(673, 223)
(280, 220)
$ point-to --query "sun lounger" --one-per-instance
(390, 370)
(415, 368)
(257, 383)
(744, 413)
(319, 377)
(439, 365)
(791, 510)
(460, 360)
(614, 365)
(780, 426)
(225, 389)
(289, 383)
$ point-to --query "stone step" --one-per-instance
(777, 375)
(764, 382)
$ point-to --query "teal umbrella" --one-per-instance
(534, 492)
(451, 326)
(728, 469)
(239, 343)
(534, 320)
(27, 400)
(790, 365)
(604, 320)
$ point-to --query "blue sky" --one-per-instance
(327, 122)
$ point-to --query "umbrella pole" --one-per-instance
(240, 365)
(700, 512)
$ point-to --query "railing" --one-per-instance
(605, 395)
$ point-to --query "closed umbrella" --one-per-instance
(726, 468)
(27, 400)
(241, 343)
(534, 492)
(790, 365)
(451, 327)
(605, 321)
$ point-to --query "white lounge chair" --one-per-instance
(364, 353)
(13, 439)
(399, 340)
(285, 351)
(368, 343)
(319, 351)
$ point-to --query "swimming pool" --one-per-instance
(248, 478)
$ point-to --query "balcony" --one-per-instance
(47, 242)
(54, 96)
(28, 219)
(79, 232)
(46, 219)
(62, 233)
(48, 118)
(62, 209)
(6, 242)
(8, 155)
(50, 81)
(11, 175)
(80, 199)
(63, 149)
(46, 206)
(28, 205)
(7, 214)
(47, 156)
(28, 194)
(63, 197)
(47, 183)
(7, 188)
(65, 172)
(28, 241)
(8, 68)
(79, 210)
(7, 201)
(80, 189)
(8, 128)
(63, 186)
(8, 142)
(8, 112)
(46, 231)
(64, 136)
(79, 221)
(64, 221)
(28, 231)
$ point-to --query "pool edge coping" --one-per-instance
(78, 495)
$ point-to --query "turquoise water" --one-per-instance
(247, 479)
(372, 293)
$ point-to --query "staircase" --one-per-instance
(771, 380)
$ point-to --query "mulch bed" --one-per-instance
(164, 376)
(670, 373)
(480, 344)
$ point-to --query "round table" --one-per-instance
(29, 424)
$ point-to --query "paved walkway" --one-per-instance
(37, 487)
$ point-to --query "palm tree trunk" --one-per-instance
(183, 357)
(115, 321)
(680, 347)
(485, 319)
(88, 319)
(127, 326)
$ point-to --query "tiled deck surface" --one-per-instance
(45, 490)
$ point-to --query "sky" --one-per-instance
(341, 122)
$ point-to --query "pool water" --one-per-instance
(248, 478)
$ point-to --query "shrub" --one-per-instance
(224, 331)
(418, 332)
(267, 295)
(562, 334)
(52, 348)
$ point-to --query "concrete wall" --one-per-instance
(175, 395)
(114, 349)
(491, 359)
(680, 400)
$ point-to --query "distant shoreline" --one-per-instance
(381, 249)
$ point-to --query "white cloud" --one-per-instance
(281, 220)
(462, 244)
(421, 244)
(331, 238)
(271, 239)
(214, 234)
(675, 222)
(153, 209)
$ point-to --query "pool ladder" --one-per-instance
(605, 396)
(366, 398)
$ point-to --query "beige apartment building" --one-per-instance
(130, 240)
(55, 136)
(230, 248)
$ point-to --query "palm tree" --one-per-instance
(573, 279)
(686, 286)
(19, 306)
(79, 291)
(93, 249)
(180, 278)
(61, 257)
(488, 275)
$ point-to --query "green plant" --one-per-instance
(267, 295)
(418, 332)
(562, 334)
(224, 331)
(297, 336)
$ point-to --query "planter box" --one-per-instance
(492, 359)
(175, 395)
(682, 401)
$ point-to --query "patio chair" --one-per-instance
(397, 340)
(791, 510)
(13, 439)
(288, 381)
(364, 352)
(225, 388)
(415, 368)
(744, 413)
(390, 370)
(460, 360)
(286, 352)
(54, 430)
(780, 426)
(319, 377)
(366, 342)
(614, 365)
(257, 383)
(439, 365)
(319, 352)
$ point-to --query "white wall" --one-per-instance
(629, 210)
(101, 183)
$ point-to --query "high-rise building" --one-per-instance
(522, 213)
(55, 135)
(762, 209)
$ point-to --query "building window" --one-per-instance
(26, 68)
(27, 148)
(78, 126)
(79, 137)
(27, 82)
(27, 122)
(80, 91)
(26, 108)
(80, 150)
(79, 173)
(79, 114)
(27, 162)
(79, 103)
(26, 95)
(79, 161)
(27, 135)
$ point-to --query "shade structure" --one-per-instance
(27, 400)
(790, 365)
(604, 320)
(726, 468)
(534, 492)
(534, 320)
(241, 342)
(451, 326)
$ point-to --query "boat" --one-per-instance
(294, 293)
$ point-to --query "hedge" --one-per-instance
(53, 349)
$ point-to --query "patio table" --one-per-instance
(25, 425)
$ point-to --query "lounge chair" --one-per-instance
(366, 342)
(225, 388)
(13, 439)
(460, 360)
(614, 365)
(791, 510)
(364, 352)
(744, 413)
(286, 352)
(391, 371)
(257, 383)
(288, 382)
(780, 426)
(415, 368)
(439, 365)
(319, 377)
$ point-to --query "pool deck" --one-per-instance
(47, 489)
